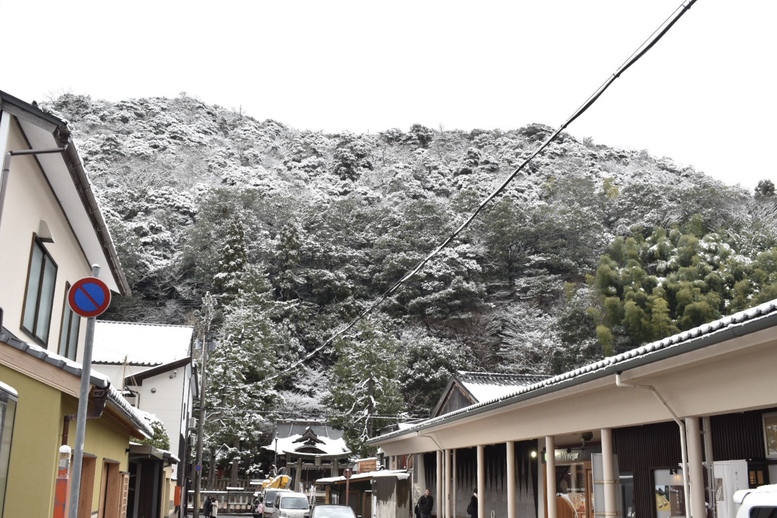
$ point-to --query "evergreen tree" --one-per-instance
(366, 393)
(232, 264)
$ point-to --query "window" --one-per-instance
(39, 300)
(68, 335)
(763, 512)
(770, 435)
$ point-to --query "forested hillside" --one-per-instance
(590, 251)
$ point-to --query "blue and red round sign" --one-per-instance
(89, 297)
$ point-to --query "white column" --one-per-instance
(709, 458)
(539, 460)
(481, 481)
(512, 509)
(448, 478)
(550, 475)
(453, 483)
(438, 486)
(695, 467)
(608, 473)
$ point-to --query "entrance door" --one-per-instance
(113, 491)
(574, 487)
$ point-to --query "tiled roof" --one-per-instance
(747, 321)
(326, 445)
(298, 427)
(67, 365)
(489, 385)
(498, 378)
(95, 378)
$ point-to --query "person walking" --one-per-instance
(426, 504)
(215, 506)
(207, 507)
(258, 506)
(472, 508)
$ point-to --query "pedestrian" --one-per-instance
(207, 507)
(215, 506)
(426, 504)
(472, 508)
(258, 506)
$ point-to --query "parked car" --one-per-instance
(332, 511)
(270, 495)
(291, 505)
(760, 502)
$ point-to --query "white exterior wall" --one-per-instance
(28, 200)
(161, 395)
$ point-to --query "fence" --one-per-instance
(237, 501)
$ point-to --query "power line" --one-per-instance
(635, 56)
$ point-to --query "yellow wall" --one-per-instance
(34, 447)
(37, 438)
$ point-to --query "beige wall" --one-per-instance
(28, 200)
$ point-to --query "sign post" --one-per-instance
(347, 474)
(88, 298)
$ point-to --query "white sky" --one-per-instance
(705, 95)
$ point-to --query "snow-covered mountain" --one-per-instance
(297, 232)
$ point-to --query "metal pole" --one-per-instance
(200, 425)
(201, 421)
(83, 403)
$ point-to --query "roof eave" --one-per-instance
(63, 137)
(741, 324)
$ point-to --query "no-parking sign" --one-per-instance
(89, 297)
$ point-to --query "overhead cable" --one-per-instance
(635, 56)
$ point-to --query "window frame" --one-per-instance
(769, 419)
(41, 302)
(71, 323)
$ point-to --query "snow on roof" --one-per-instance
(140, 344)
(300, 426)
(485, 386)
(738, 324)
(326, 445)
(383, 473)
(76, 369)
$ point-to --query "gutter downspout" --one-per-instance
(66, 428)
(7, 168)
(680, 423)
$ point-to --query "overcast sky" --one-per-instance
(705, 96)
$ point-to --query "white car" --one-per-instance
(291, 505)
(760, 502)
(270, 497)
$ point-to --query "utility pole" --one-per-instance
(208, 303)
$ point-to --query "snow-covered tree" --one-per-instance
(232, 264)
(366, 393)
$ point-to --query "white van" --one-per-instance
(291, 505)
(270, 498)
(760, 502)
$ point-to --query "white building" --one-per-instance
(152, 365)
